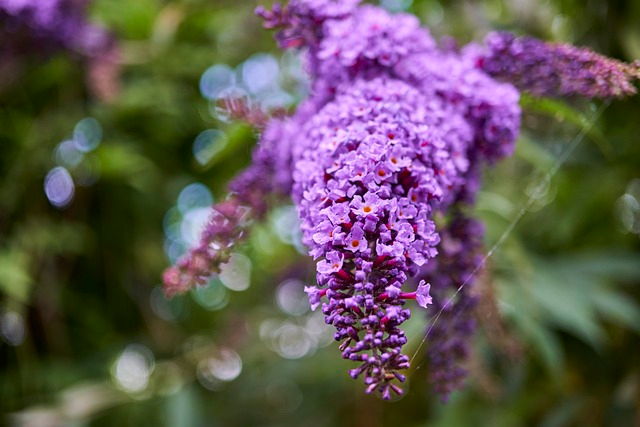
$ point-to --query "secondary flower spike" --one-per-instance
(557, 69)
(449, 337)
(395, 131)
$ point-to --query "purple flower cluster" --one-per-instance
(365, 186)
(378, 161)
(366, 43)
(399, 131)
(229, 221)
(226, 226)
(556, 69)
(395, 131)
(30, 28)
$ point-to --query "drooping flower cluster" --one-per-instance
(226, 226)
(400, 131)
(557, 69)
(395, 130)
(365, 187)
(452, 277)
(230, 219)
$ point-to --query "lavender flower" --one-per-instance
(556, 69)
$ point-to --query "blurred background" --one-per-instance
(112, 148)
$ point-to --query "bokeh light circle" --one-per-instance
(216, 79)
(59, 187)
(87, 134)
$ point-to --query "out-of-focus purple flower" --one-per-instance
(226, 226)
(268, 175)
(300, 21)
(270, 170)
(451, 275)
(556, 69)
(43, 27)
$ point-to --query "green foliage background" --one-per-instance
(83, 279)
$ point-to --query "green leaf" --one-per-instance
(567, 304)
(120, 161)
(533, 329)
(565, 412)
(623, 266)
(15, 280)
(563, 112)
(543, 341)
(618, 308)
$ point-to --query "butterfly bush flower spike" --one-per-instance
(449, 337)
(557, 69)
(384, 149)
(395, 132)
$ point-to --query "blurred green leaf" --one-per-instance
(561, 111)
(565, 413)
(15, 280)
(566, 303)
(124, 162)
(532, 325)
(623, 266)
(618, 308)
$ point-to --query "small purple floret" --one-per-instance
(422, 294)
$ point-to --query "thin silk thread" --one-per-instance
(566, 154)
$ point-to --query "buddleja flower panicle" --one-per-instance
(395, 131)
(267, 177)
(226, 226)
(39, 28)
(557, 69)
(455, 267)
(375, 167)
